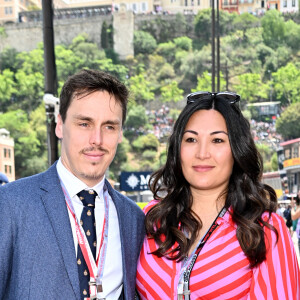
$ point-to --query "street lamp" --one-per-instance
(50, 79)
(215, 32)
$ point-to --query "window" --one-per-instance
(293, 3)
(7, 153)
(7, 169)
(144, 6)
(295, 151)
(198, 3)
(287, 153)
(285, 3)
(185, 2)
(8, 10)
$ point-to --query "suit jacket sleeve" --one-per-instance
(7, 234)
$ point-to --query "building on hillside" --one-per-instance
(7, 157)
(59, 4)
(255, 7)
(10, 9)
(230, 5)
(265, 111)
(291, 164)
(147, 6)
(289, 6)
(273, 4)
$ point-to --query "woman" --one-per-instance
(211, 231)
(295, 214)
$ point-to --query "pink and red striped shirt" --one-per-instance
(222, 271)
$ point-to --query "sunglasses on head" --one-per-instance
(198, 96)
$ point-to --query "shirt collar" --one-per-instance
(73, 184)
(227, 218)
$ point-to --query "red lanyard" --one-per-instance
(96, 268)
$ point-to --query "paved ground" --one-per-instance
(296, 246)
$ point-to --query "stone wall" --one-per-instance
(26, 36)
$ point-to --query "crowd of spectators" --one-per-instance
(162, 122)
(265, 133)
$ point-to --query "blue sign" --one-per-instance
(134, 181)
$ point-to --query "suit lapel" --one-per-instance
(55, 205)
(121, 209)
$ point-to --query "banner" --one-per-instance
(134, 181)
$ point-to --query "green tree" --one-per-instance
(8, 59)
(26, 141)
(146, 142)
(183, 43)
(273, 28)
(288, 124)
(204, 82)
(192, 65)
(120, 159)
(33, 61)
(67, 63)
(141, 89)
(245, 21)
(251, 88)
(106, 36)
(86, 51)
(266, 154)
(287, 84)
(167, 50)
(143, 42)
(7, 89)
(202, 26)
(149, 155)
(30, 90)
(171, 92)
(2, 31)
(136, 117)
(274, 162)
(292, 35)
(37, 121)
(166, 73)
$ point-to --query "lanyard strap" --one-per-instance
(188, 270)
(96, 268)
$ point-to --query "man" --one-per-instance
(46, 249)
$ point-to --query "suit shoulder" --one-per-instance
(23, 187)
(22, 183)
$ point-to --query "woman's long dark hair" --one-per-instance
(248, 197)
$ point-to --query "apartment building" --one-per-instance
(7, 157)
(289, 6)
(291, 163)
(10, 9)
(147, 6)
(251, 6)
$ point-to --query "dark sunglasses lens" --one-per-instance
(231, 97)
(198, 96)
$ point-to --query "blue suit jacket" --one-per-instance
(37, 255)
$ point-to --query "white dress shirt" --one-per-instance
(112, 281)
